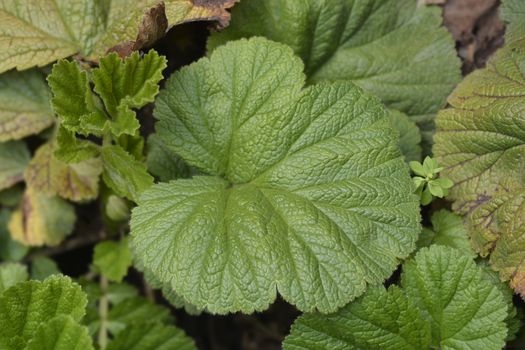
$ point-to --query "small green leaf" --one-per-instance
(112, 259)
(73, 101)
(70, 149)
(11, 274)
(61, 333)
(27, 306)
(42, 220)
(24, 103)
(117, 209)
(435, 190)
(14, 157)
(124, 174)
(417, 168)
(381, 319)
(127, 84)
(151, 336)
(465, 312)
(447, 230)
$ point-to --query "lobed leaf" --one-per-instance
(307, 192)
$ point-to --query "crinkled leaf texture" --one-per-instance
(481, 143)
(43, 315)
(392, 48)
(307, 192)
(465, 310)
(14, 157)
(38, 32)
(24, 104)
(447, 302)
(151, 336)
(381, 319)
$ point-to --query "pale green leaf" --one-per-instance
(393, 48)
(28, 305)
(112, 259)
(10, 250)
(61, 333)
(513, 12)
(308, 193)
(381, 319)
(127, 84)
(14, 157)
(24, 104)
(151, 336)
(70, 149)
(41, 220)
(465, 312)
(51, 176)
(11, 274)
(124, 174)
(447, 230)
(38, 32)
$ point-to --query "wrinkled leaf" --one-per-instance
(267, 218)
(381, 319)
(409, 135)
(41, 220)
(61, 333)
(163, 162)
(151, 336)
(465, 312)
(393, 48)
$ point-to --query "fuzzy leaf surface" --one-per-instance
(465, 312)
(393, 48)
(307, 192)
(29, 305)
(151, 336)
(381, 319)
(61, 333)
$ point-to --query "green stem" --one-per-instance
(103, 308)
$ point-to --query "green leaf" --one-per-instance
(481, 140)
(73, 101)
(14, 157)
(393, 48)
(512, 12)
(448, 230)
(42, 267)
(11, 197)
(381, 319)
(51, 176)
(124, 174)
(38, 32)
(11, 274)
(267, 219)
(112, 259)
(61, 333)
(117, 209)
(70, 149)
(465, 312)
(409, 135)
(151, 336)
(127, 84)
(24, 103)
(163, 162)
(41, 220)
(27, 306)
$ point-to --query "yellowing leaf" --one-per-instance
(41, 220)
(51, 176)
(38, 32)
(24, 103)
